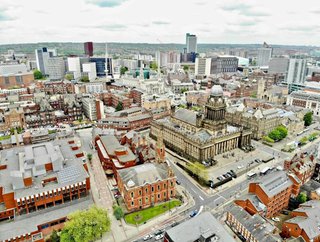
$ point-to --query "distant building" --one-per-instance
(191, 43)
(100, 65)
(203, 66)
(42, 56)
(204, 227)
(297, 71)
(56, 68)
(278, 65)
(264, 55)
(16, 80)
(224, 64)
(74, 66)
(88, 48)
(90, 70)
(305, 100)
(13, 69)
(89, 108)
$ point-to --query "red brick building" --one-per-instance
(16, 80)
(271, 194)
(145, 185)
(305, 222)
(302, 166)
(58, 87)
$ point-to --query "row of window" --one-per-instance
(147, 199)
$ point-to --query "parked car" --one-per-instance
(174, 224)
(178, 182)
(276, 219)
(193, 213)
(257, 160)
(158, 237)
(219, 178)
(147, 237)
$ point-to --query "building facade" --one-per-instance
(224, 64)
(201, 136)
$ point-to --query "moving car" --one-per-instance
(193, 213)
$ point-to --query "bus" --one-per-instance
(265, 171)
(251, 175)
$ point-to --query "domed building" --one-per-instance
(200, 136)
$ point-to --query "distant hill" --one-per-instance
(69, 48)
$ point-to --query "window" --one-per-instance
(158, 187)
(140, 193)
(146, 190)
(158, 196)
(132, 203)
(164, 185)
(131, 194)
(147, 200)
(152, 189)
(18, 79)
(6, 80)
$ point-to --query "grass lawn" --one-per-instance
(142, 216)
(5, 137)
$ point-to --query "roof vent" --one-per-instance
(130, 183)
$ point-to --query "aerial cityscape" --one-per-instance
(170, 121)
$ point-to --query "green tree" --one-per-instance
(153, 65)
(69, 77)
(54, 237)
(302, 197)
(268, 139)
(283, 131)
(307, 118)
(303, 140)
(85, 226)
(118, 212)
(185, 68)
(89, 156)
(37, 74)
(84, 79)
(123, 70)
(275, 135)
(119, 106)
(183, 90)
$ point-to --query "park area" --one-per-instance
(144, 215)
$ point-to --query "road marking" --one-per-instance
(201, 198)
(200, 210)
(193, 190)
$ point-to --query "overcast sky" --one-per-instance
(160, 21)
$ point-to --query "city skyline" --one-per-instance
(231, 21)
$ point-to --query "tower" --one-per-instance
(261, 87)
(160, 148)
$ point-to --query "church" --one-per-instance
(201, 136)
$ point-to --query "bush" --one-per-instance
(268, 139)
(303, 140)
(118, 212)
(307, 119)
(278, 133)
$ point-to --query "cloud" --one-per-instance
(107, 3)
(244, 9)
(301, 28)
(4, 16)
(200, 3)
(315, 11)
(160, 23)
(111, 27)
(236, 7)
(246, 23)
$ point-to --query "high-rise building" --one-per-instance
(88, 48)
(56, 68)
(224, 64)
(264, 55)
(203, 66)
(297, 71)
(74, 66)
(90, 70)
(100, 65)
(42, 56)
(109, 64)
(191, 42)
(89, 108)
(278, 65)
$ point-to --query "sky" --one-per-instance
(160, 21)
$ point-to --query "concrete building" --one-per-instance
(56, 68)
(13, 69)
(74, 66)
(264, 55)
(100, 65)
(202, 66)
(224, 64)
(145, 185)
(278, 65)
(178, 86)
(191, 43)
(199, 136)
(297, 71)
(42, 56)
(90, 70)
(270, 194)
(204, 227)
(89, 108)
(304, 222)
(307, 100)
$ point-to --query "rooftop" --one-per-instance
(205, 225)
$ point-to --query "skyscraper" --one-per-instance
(56, 68)
(264, 55)
(42, 56)
(88, 48)
(191, 42)
(297, 71)
(109, 64)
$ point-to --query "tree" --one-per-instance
(37, 74)
(302, 197)
(307, 118)
(283, 131)
(183, 90)
(185, 68)
(275, 135)
(153, 65)
(123, 70)
(85, 226)
(119, 106)
(84, 79)
(303, 140)
(89, 156)
(54, 237)
(69, 77)
(118, 212)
